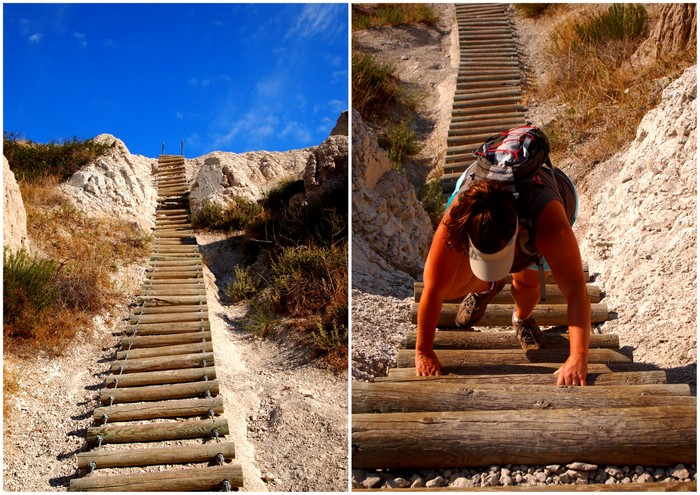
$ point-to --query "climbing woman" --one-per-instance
(511, 212)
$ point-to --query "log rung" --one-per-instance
(164, 363)
(190, 479)
(460, 339)
(160, 377)
(168, 350)
(179, 408)
(597, 375)
(163, 340)
(430, 396)
(495, 357)
(159, 392)
(154, 432)
(151, 457)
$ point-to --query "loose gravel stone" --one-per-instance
(462, 482)
(371, 481)
(402, 482)
(435, 482)
(582, 466)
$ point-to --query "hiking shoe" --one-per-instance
(528, 333)
(473, 306)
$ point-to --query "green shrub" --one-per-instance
(329, 338)
(308, 281)
(32, 161)
(431, 197)
(532, 9)
(243, 286)
(620, 22)
(366, 17)
(261, 318)
(374, 85)
(29, 287)
(400, 142)
(232, 217)
(277, 198)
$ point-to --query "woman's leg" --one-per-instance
(526, 292)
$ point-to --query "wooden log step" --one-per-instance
(461, 128)
(159, 310)
(153, 432)
(174, 212)
(170, 250)
(456, 358)
(484, 110)
(489, 119)
(659, 486)
(154, 456)
(151, 285)
(163, 340)
(654, 377)
(176, 262)
(168, 350)
(646, 436)
(169, 328)
(166, 318)
(160, 377)
(169, 272)
(499, 369)
(500, 315)
(460, 339)
(180, 361)
(480, 102)
(159, 392)
(554, 294)
(171, 300)
(175, 256)
(388, 397)
(187, 480)
(173, 291)
(182, 408)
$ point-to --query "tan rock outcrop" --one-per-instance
(14, 215)
(674, 32)
(117, 184)
(386, 216)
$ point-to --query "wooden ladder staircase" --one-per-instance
(498, 404)
(488, 94)
(162, 390)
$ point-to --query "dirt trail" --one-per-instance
(288, 417)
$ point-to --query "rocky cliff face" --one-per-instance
(391, 230)
(14, 215)
(117, 184)
(642, 234)
(219, 176)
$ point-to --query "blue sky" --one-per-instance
(230, 77)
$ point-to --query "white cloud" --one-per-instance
(81, 37)
(35, 38)
(315, 20)
(217, 23)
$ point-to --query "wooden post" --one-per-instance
(459, 339)
(458, 358)
(499, 315)
(154, 432)
(190, 479)
(419, 396)
(154, 456)
(182, 408)
(617, 436)
(160, 377)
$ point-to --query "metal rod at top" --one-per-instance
(182, 146)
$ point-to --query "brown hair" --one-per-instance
(485, 213)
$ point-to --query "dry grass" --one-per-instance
(378, 15)
(604, 97)
(86, 253)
